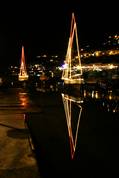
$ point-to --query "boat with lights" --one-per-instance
(72, 69)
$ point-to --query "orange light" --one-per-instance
(23, 72)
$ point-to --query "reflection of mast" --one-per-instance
(72, 72)
(23, 73)
(67, 101)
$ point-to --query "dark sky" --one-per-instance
(43, 27)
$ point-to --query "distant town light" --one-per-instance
(38, 56)
(44, 55)
(111, 66)
(65, 66)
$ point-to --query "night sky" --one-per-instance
(43, 27)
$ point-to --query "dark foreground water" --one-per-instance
(75, 133)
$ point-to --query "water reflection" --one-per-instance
(71, 103)
(109, 99)
(24, 99)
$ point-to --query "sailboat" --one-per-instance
(23, 72)
(72, 71)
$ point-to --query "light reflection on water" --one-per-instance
(109, 99)
(68, 102)
(105, 102)
(24, 99)
(91, 135)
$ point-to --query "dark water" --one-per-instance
(76, 133)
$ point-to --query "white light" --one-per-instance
(65, 66)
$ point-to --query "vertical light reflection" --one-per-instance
(85, 93)
(93, 94)
(23, 98)
(67, 101)
(110, 95)
(96, 95)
